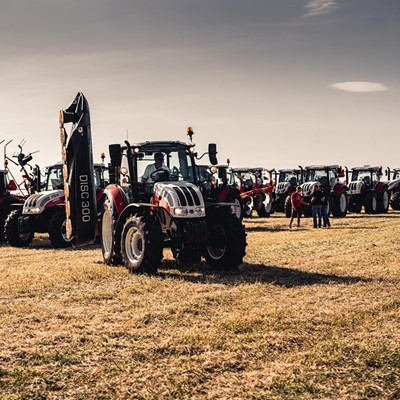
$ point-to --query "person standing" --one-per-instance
(316, 207)
(325, 208)
(297, 202)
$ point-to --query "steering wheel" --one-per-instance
(159, 175)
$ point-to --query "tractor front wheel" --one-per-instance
(58, 232)
(110, 249)
(237, 209)
(226, 241)
(12, 233)
(142, 244)
(288, 206)
(265, 208)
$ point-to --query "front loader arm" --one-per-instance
(79, 186)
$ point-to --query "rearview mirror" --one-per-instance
(212, 153)
(115, 154)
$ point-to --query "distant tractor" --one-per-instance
(367, 190)
(327, 176)
(287, 181)
(256, 191)
(44, 212)
(217, 184)
(394, 187)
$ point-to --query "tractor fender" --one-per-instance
(228, 192)
(381, 187)
(224, 193)
(118, 197)
(339, 189)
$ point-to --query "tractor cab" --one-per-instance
(287, 180)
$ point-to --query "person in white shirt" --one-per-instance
(149, 175)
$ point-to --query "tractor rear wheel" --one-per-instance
(11, 230)
(371, 203)
(395, 201)
(142, 244)
(340, 205)
(383, 202)
(288, 206)
(57, 231)
(226, 241)
(355, 207)
(110, 249)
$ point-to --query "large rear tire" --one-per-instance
(110, 249)
(395, 201)
(340, 205)
(237, 209)
(57, 231)
(226, 241)
(13, 236)
(371, 203)
(383, 202)
(142, 244)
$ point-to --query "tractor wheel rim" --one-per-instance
(343, 203)
(134, 245)
(267, 203)
(106, 231)
(64, 232)
(218, 241)
(374, 203)
(385, 200)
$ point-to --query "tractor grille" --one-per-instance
(187, 196)
(281, 187)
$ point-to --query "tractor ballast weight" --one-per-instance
(77, 158)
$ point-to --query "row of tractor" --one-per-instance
(159, 194)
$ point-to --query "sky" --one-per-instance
(274, 83)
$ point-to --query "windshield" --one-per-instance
(288, 176)
(396, 174)
(364, 176)
(313, 175)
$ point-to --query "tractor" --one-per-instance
(287, 181)
(327, 176)
(146, 209)
(394, 187)
(256, 191)
(44, 212)
(217, 184)
(367, 190)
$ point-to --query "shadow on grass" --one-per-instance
(254, 273)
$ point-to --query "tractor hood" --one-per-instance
(308, 187)
(181, 199)
(282, 187)
(37, 203)
(355, 187)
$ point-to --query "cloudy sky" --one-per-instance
(275, 83)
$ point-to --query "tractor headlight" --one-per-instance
(34, 210)
(199, 210)
(181, 211)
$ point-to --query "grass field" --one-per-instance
(311, 314)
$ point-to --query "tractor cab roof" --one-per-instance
(156, 146)
(249, 169)
(290, 170)
(323, 167)
(367, 168)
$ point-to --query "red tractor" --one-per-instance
(217, 184)
(287, 181)
(327, 176)
(256, 191)
(146, 208)
(367, 190)
(394, 187)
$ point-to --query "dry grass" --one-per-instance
(312, 314)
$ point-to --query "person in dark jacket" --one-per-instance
(316, 207)
(325, 208)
